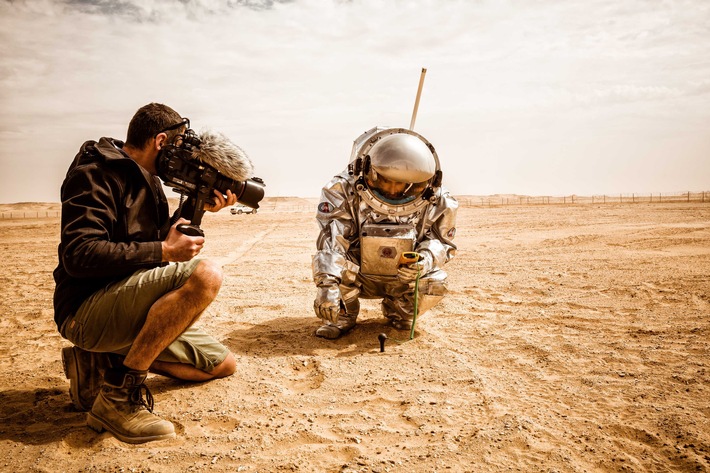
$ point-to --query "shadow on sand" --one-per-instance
(43, 416)
(293, 336)
(46, 415)
(39, 416)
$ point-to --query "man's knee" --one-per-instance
(206, 278)
(226, 368)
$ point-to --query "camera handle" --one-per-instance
(192, 209)
(190, 230)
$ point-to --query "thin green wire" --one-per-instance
(416, 309)
(416, 303)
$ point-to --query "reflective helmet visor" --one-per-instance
(394, 192)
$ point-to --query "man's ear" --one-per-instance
(161, 139)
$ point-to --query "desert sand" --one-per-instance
(575, 338)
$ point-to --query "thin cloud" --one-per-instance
(106, 7)
(294, 82)
(158, 11)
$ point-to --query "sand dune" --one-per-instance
(574, 339)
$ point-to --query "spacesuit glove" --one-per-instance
(327, 304)
(408, 272)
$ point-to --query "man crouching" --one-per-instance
(125, 309)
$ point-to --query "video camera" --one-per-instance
(197, 165)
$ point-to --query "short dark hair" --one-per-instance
(148, 121)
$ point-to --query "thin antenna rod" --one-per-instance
(416, 102)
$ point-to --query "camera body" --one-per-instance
(180, 168)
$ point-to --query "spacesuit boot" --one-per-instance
(401, 324)
(345, 323)
(399, 312)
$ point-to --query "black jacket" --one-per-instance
(114, 217)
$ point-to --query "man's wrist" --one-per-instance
(164, 252)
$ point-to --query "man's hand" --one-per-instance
(408, 272)
(327, 303)
(180, 247)
(219, 201)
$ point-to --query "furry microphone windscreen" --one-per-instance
(229, 159)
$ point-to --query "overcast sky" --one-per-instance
(534, 97)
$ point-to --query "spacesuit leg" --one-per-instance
(398, 304)
(346, 321)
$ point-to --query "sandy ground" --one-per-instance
(574, 339)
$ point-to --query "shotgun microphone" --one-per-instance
(196, 165)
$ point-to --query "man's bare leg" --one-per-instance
(173, 313)
(115, 407)
(190, 373)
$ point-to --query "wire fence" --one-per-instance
(15, 214)
(464, 201)
(499, 200)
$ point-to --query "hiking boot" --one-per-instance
(401, 324)
(332, 331)
(84, 370)
(121, 409)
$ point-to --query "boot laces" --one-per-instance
(137, 397)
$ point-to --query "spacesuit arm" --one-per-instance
(438, 238)
(338, 230)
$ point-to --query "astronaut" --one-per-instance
(389, 201)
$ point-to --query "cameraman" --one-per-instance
(125, 309)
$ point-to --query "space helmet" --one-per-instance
(396, 170)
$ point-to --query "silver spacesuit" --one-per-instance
(388, 201)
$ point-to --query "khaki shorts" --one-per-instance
(110, 319)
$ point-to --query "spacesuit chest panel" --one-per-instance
(382, 245)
